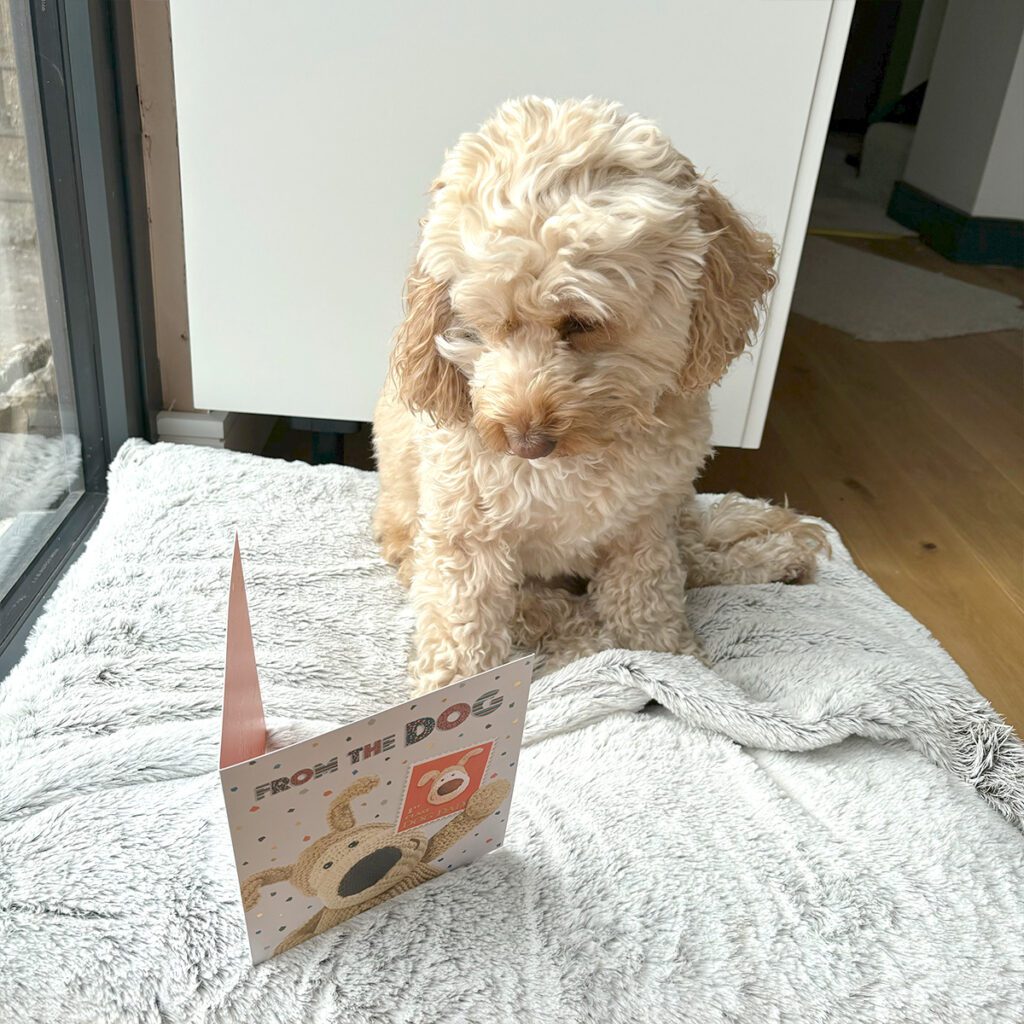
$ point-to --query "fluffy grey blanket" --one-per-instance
(823, 827)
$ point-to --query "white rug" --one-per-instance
(823, 828)
(877, 299)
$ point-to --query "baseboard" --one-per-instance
(957, 235)
(241, 432)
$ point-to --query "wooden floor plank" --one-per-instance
(989, 422)
(959, 483)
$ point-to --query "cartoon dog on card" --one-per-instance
(441, 786)
(448, 784)
(355, 867)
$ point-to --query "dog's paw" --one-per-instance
(251, 892)
(421, 683)
(486, 801)
(689, 644)
(432, 666)
(799, 548)
(438, 664)
(671, 638)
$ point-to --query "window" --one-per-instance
(40, 445)
(78, 372)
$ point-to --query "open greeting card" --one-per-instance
(332, 826)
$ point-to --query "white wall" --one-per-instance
(151, 22)
(958, 135)
(1001, 193)
(926, 41)
(309, 133)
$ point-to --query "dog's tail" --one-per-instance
(739, 540)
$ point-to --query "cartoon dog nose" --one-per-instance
(529, 446)
(369, 871)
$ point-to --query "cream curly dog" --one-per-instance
(577, 290)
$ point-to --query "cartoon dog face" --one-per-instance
(346, 868)
(449, 783)
(354, 866)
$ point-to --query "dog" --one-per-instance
(577, 290)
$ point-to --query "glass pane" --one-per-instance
(40, 457)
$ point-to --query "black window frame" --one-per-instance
(76, 60)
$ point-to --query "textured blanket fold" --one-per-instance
(948, 722)
(824, 826)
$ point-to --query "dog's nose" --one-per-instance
(529, 446)
(369, 871)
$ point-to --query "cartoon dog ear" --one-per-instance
(471, 753)
(427, 777)
(252, 885)
(340, 817)
(425, 380)
(738, 274)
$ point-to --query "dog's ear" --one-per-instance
(339, 816)
(428, 777)
(738, 274)
(425, 380)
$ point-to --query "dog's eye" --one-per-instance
(574, 325)
(461, 333)
(329, 864)
(353, 844)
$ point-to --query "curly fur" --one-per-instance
(577, 289)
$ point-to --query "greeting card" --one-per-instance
(332, 826)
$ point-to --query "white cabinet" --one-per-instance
(309, 133)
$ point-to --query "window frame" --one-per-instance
(76, 72)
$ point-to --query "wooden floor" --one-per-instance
(915, 452)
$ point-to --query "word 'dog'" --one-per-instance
(452, 717)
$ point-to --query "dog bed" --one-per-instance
(825, 826)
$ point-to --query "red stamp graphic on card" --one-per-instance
(443, 785)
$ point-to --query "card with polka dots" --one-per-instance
(333, 826)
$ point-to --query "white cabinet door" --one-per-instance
(309, 132)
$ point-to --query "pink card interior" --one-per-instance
(244, 729)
